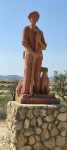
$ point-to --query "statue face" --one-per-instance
(33, 18)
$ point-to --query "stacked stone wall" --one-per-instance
(36, 127)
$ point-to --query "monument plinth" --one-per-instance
(39, 99)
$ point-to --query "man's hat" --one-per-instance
(35, 13)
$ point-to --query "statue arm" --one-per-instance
(42, 43)
(25, 42)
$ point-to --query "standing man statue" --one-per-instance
(34, 42)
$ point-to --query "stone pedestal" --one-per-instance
(39, 99)
(36, 127)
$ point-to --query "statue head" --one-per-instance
(35, 14)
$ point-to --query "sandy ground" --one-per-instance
(2, 133)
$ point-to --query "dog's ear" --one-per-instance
(46, 69)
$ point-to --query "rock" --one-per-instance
(36, 112)
(28, 132)
(38, 146)
(60, 141)
(43, 112)
(33, 121)
(49, 118)
(45, 135)
(32, 140)
(37, 130)
(20, 141)
(63, 109)
(26, 148)
(26, 123)
(19, 125)
(39, 121)
(30, 114)
(54, 132)
(44, 126)
(50, 143)
(37, 138)
(58, 148)
(64, 125)
(23, 112)
(62, 116)
(63, 133)
(56, 113)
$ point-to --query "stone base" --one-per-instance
(39, 99)
(36, 127)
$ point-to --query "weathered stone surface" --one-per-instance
(39, 121)
(56, 122)
(43, 112)
(50, 110)
(14, 137)
(21, 141)
(50, 143)
(19, 125)
(54, 132)
(38, 146)
(45, 135)
(58, 148)
(33, 121)
(51, 126)
(60, 141)
(64, 147)
(30, 114)
(49, 118)
(62, 116)
(64, 125)
(9, 124)
(60, 127)
(45, 126)
(23, 112)
(36, 112)
(28, 132)
(63, 133)
(63, 109)
(26, 123)
(37, 130)
(8, 135)
(12, 146)
(37, 138)
(56, 113)
(32, 140)
(26, 148)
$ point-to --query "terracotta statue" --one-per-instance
(34, 42)
(44, 81)
(34, 87)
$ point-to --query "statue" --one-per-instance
(34, 87)
(34, 42)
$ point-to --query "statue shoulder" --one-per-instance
(39, 30)
(26, 28)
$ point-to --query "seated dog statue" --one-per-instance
(44, 81)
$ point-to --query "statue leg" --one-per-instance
(37, 75)
(27, 74)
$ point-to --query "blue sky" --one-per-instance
(53, 23)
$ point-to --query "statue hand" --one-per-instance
(38, 38)
(36, 55)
